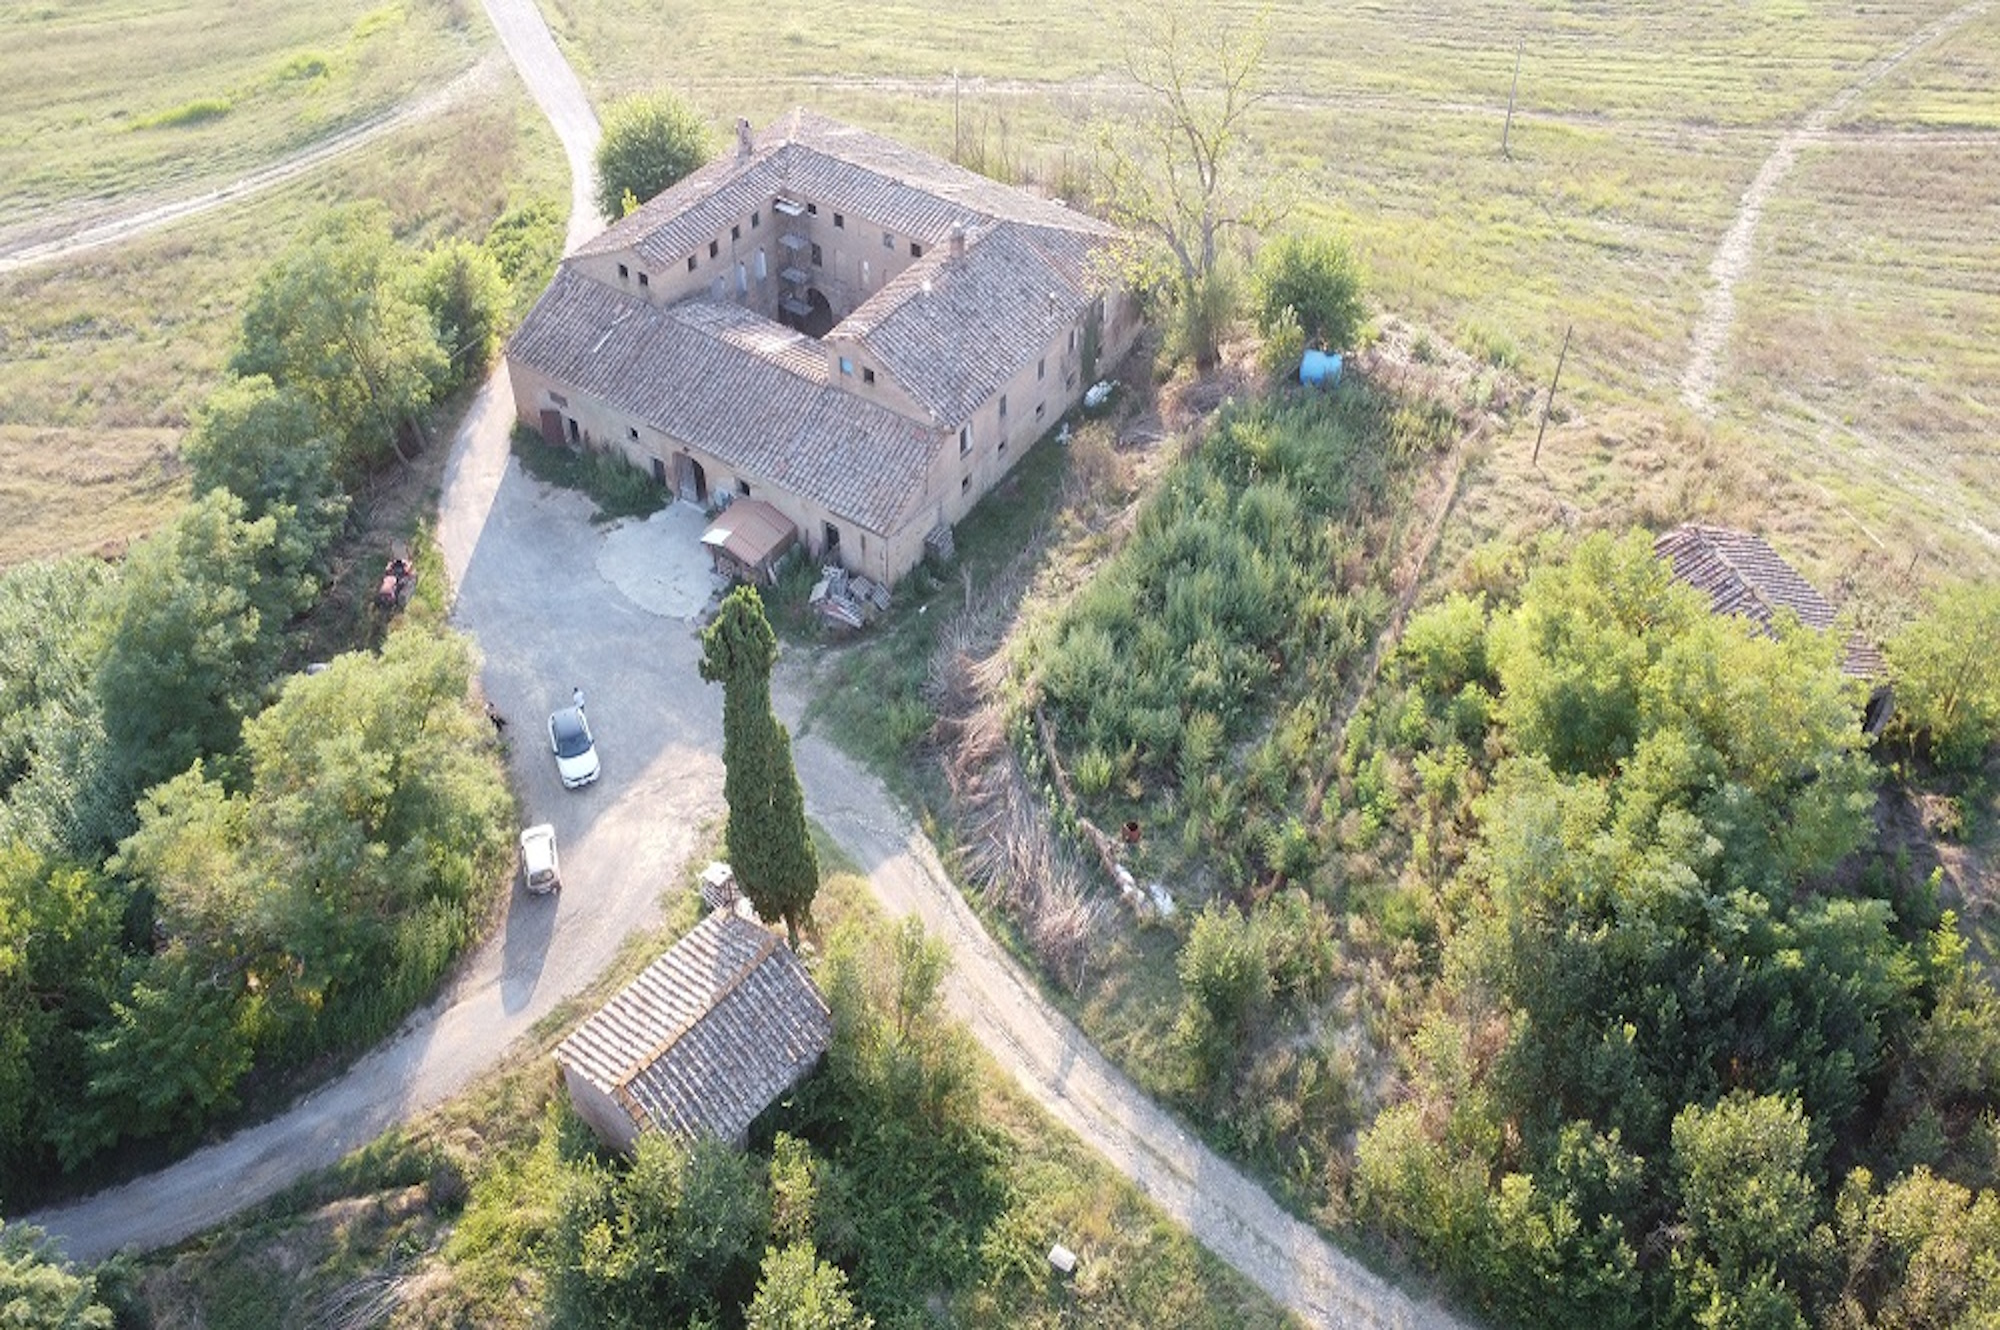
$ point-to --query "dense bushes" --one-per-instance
(1236, 593)
(1659, 1031)
(200, 874)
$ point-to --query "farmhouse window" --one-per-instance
(888, 240)
(847, 366)
(916, 250)
(760, 265)
(714, 248)
(623, 272)
(743, 488)
(964, 440)
(816, 256)
(735, 233)
(756, 220)
(867, 375)
(965, 485)
(690, 263)
(1003, 406)
(839, 222)
(644, 280)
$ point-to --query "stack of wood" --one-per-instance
(843, 598)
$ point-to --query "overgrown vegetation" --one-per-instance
(614, 486)
(209, 869)
(650, 141)
(904, 1182)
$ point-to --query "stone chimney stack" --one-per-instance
(958, 240)
(743, 140)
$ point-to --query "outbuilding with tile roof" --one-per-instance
(862, 335)
(705, 1039)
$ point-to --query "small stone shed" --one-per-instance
(1742, 575)
(708, 1037)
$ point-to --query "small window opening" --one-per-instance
(839, 222)
(644, 280)
(867, 375)
(965, 485)
(623, 272)
(816, 257)
(888, 240)
(743, 489)
(1003, 406)
(735, 233)
(964, 440)
(916, 250)
(690, 263)
(1041, 369)
(714, 248)
(756, 220)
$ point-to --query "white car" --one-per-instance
(576, 752)
(540, 868)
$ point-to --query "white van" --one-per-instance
(539, 867)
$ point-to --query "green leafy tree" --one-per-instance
(335, 321)
(670, 1239)
(1315, 276)
(1920, 1254)
(466, 292)
(264, 444)
(59, 789)
(1226, 978)
(769, 845)
(798, 1291)
(1947, 691)
(38, 1291)
(193, 635)
(650, 142)
(61, 957)
(1745, 1174)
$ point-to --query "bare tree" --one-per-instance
(1171, 170)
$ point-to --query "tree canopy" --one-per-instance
(1947, 690)
(1314, 275)
(770, 848)
(650, 141)
(336, 320)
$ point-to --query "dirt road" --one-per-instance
(134, 218)
(1732, 257)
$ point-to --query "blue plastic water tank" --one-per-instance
(1319, 367)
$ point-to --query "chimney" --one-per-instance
(958, 240)
(743, 141)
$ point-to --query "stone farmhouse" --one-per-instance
(863, 336)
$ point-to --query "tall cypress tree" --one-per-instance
(767, 840)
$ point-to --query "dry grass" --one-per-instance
(101, 99)
(107, 357)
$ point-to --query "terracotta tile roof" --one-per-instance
(709, 1035)
(1742, 575)
(952, 330)
(839, 167)
(750, 392)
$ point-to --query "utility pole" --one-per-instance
(1508, 128)
(1550, 401)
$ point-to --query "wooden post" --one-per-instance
(1555, 378)
(1508, 128)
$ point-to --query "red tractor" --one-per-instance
(398, 578)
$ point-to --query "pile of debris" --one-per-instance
(846, 599)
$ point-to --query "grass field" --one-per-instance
(103, 99)
(104, 359)
(1637, 130)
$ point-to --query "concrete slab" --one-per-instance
(659, 564)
